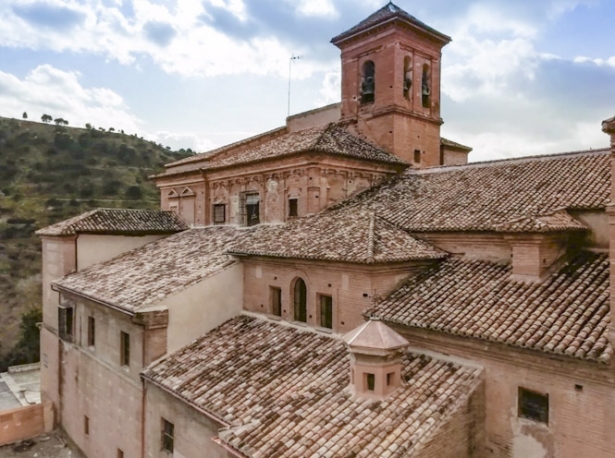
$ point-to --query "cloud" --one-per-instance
(160, 33)
(49, 15)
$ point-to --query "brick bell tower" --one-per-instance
(391, 84)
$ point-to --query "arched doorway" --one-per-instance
(300, 300)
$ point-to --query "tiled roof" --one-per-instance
(118, 221)
(349, 235)
(455, 145)
(566, 314)
(329, 139)
(384, 14)
(284, 392)
(481, 197)
(375, 335)
(557, 221)
(145, 276)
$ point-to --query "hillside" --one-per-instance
(49, 173)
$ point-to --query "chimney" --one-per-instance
(376, 360)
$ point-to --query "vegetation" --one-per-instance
(49, 173)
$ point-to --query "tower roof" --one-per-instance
(375, 335)
(389, 13)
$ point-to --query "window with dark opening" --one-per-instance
(276, 300)
(426, 87)
(120, 453)
(407, 76)
(91, 331)
(65, 323)
(300, 293)
(370, 380)
(167, 435)
(390, 378)
(326, 311)
(533, 406)
(86, 425)
(293, 207)
(252, 209)
(219, 213)
(417, 155)
(124, 348)
(368, 83)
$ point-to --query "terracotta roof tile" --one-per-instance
(566, 314)
(118, 221)
(454, 145)
(480, 197)
(376, 335)
(145, 276)
(284, 392)
(349, 235)
(553, 222)
(329, 139)
(384, 14)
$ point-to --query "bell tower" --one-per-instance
(391, 84)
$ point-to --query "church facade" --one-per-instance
(344, 286)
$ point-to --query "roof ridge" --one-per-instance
(509, 160)
(370, 238)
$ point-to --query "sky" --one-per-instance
(521, 77)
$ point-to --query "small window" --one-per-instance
(91, 331)
(417, 155)
(293, 207)
(120, 453)
(252, 209)
(124, 348)
(86, 425)
(426, 87)
(65, 323)
(370, 381)
(275, 295)
(326, 311)
(390, 376)
(533, 406)
(300, 301)
(219, 214)
(167, 435)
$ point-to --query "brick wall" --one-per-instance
(580, 398)
(25, 422)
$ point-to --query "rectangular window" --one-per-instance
(65, 323)
(91, 331)
(293, 207)
(390, 378)
(275, 295)
(326, 311)
(533, 406)
(120, 453)
(167, 435)
(417, 155)
(124, 348)
(86, 425)
(219, 213)
(252, 209)
(370, 381)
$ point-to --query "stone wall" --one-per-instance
(25, 422)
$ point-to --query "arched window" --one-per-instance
(426, 87)
(407, 77)
(300, 301)
(368, 83)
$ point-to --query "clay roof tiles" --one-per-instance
(350, 235)
(283, 391)
(485, 196)
(118, 221)
(387, 13)
(566, 314)
(557, 221)
(374, 334)
(145, 276)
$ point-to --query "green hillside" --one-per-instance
(49, 173)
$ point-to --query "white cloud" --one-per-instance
(330, 88)
(323, 8)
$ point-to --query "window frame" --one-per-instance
(167, 436)
(124, 349)
(322, 298)
(370, 381)
(293, 207)
(66, 322)
(91, 331)
(275, 295)
(216, 220)
(533, 405)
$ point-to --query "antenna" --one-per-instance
(290, 61)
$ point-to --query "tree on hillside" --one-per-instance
(46, 118)
(58, 121)
(65, 122)
(25, 115)
(88, 126)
